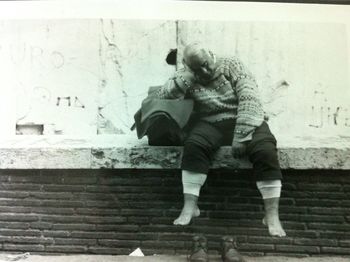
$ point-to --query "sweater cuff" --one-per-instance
(183, 83)
(243, 137)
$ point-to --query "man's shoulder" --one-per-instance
(228, 65)
(228, 59)
(231, 61)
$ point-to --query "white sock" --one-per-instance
(269, 188)
(192, 182)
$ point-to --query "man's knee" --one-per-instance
(267, 155)
(196, 157)
(265, 164)
(204, 139)
(194, 149)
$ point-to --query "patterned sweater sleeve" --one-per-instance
(250, 113)
(176, 87)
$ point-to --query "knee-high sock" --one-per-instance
(192, 182)
(269, 188)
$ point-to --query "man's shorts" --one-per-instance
(205, 138)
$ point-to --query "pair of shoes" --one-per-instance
(199, 252)
(228, 250)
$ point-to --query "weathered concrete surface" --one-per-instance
(161, 258)
(122, 151)
(38, 158)
(136, 157)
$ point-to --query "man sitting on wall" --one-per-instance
(228, 111)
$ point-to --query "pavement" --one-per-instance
(156, 258)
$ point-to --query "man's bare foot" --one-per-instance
(275, 227)
(186, 216)
(271, 219)
(189, 210)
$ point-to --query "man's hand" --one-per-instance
(238, 149)
(186, 75)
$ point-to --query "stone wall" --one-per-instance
(80, 76)
(116, 211)
(89, 76)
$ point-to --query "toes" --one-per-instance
(275, 228)
(183, 220)
(178, 222)
(277, 232)
(181, 223)
(186, 217)
(283, 234)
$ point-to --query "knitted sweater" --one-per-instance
(232, 93)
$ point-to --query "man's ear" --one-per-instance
(212, 56)
(185, 65)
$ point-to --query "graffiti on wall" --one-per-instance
(36, 56)
(324, 114)
(70, 101)
(55, 74)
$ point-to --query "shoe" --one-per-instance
(229, 252)
(199, 252)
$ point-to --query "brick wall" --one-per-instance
(116, 211)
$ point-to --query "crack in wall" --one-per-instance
(112, 47)
(109, 51)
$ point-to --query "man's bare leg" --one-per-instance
(271, 219)
(270, 191)
(192, 183)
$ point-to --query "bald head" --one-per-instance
(200, 60)
(193, 52)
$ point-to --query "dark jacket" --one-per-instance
(162, 120)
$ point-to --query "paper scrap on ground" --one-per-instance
(16, 257)
(137, 253)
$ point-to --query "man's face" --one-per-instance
(202, 65)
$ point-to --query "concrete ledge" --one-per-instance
(123, 151)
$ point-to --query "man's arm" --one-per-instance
(177, 86)
(250, 113)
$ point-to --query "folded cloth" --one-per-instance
(173, 115)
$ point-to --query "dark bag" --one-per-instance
(162, 120)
